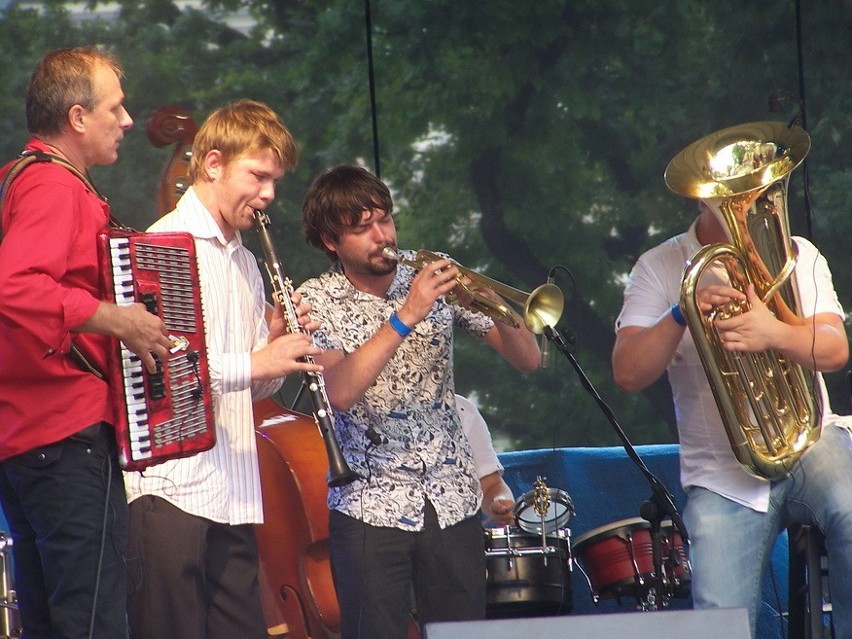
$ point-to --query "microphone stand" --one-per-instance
(661, 503)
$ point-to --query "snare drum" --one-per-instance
(525, 578)
(559, 512)
(618, 560)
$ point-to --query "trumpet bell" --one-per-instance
(543, 307)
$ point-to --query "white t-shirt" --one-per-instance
(706, 458)
(476, 430)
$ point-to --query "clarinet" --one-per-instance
(282, 290)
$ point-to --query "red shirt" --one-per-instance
(49, 282)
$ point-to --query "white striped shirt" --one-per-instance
(223, 483)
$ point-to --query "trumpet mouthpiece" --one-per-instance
(390, 253)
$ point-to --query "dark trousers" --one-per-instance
(190, 577)
(375, 569)
(67, 514)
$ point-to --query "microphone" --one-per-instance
(569, 335)
(375, 438)
(544, 345)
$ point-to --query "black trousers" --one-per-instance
(376, 568)
(67, 512)
(190, 577)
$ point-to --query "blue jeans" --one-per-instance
(67, 513)
(731, 545)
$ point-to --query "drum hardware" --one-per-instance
(10, 625)
(511, 553)
(541, 505)
(528, 566)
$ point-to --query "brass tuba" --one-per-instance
(767, 401)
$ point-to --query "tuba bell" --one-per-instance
(766, 400)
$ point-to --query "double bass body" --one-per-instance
(296, 585)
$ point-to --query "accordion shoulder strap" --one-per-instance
(29, 157)
(26, 159)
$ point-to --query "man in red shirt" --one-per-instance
(60, 485)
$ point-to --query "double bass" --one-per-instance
(297, 591)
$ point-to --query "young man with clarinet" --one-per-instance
(193, 557)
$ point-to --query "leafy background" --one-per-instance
(517, 137)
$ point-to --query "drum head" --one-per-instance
(559, 512)
(618, 528)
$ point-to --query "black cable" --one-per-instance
(364, 531)
(570, 330)
(198, 392)
(801, 65)
(803, 119)
(372, 80)
(100, 563)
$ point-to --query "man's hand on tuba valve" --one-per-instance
(754, 330)
(714, 297)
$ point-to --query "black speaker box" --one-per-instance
(731, 623)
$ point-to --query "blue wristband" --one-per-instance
(402, 329)
(677, 315)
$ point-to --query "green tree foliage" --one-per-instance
(515, 136)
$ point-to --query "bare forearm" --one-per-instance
(107, 320)
(517, 345)
(641, 355)
(497, 500)
(349, 376)
(816, 345)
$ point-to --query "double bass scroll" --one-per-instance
(172, 124)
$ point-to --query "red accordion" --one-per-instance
(167, 414)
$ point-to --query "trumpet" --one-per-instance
(539, 309)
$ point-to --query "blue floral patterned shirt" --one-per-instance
(423, 453)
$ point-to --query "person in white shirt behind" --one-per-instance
(497, 499)
(193, 558)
